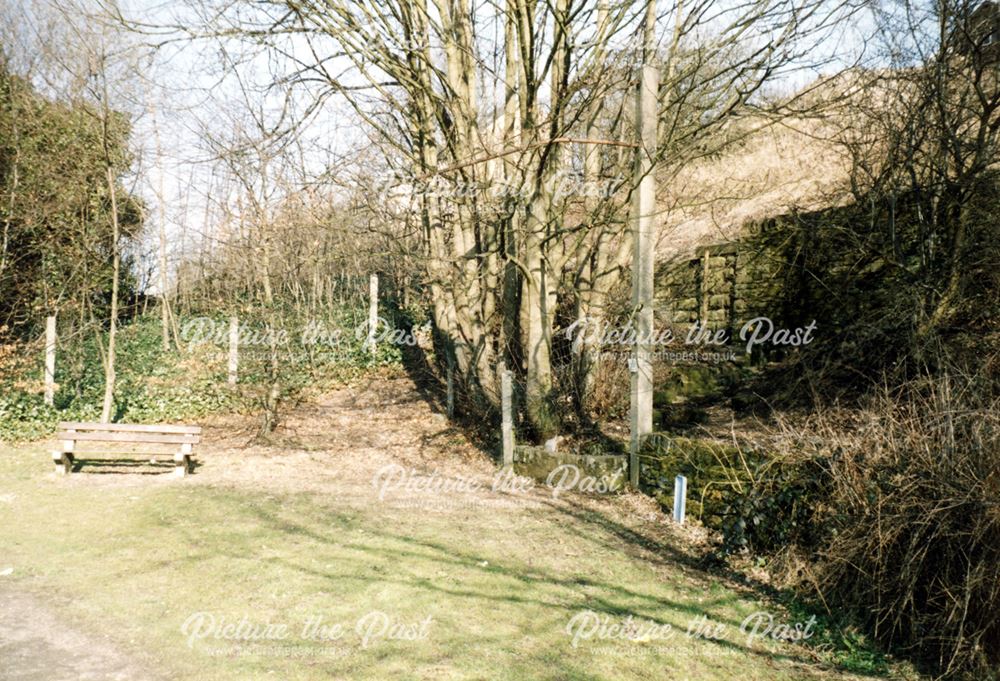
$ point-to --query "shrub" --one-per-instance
(758, 498)
(25, 416)
(897, 509)
(157, 386)
(914, 544)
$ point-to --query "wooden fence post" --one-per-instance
(372, 311)
(234, 343)
(451, 388)
(50, 359)
(507, 414)
(680, 498)
(705, 289)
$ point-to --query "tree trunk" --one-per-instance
(591, 282)
(164, 306)
(109, 369)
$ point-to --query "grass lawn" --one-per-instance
(481, 588)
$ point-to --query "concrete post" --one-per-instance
(644, 236)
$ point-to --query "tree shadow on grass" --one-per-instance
(615, 535)
(517, 584)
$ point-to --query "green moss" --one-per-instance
(757, 499)
(712, 469)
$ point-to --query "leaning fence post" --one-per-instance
(234, 342)
(372, 311)
(507, 423)
(680, 498)
(50, 359)
(451, 388)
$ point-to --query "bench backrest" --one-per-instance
(125, 432)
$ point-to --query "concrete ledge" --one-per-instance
(610, 471)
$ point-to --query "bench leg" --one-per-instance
(63, 462)
(182, 465)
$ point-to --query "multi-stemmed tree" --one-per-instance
(510, 130)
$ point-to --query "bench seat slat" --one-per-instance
(129, 437)
(131, 447)
(129, 428)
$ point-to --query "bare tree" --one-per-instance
(923, 134)
(484, 112)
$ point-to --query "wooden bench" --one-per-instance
(126, 435)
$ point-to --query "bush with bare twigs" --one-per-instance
(889, 513)
(914, 542)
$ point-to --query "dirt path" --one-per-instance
(337, 440)
(38, 644)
